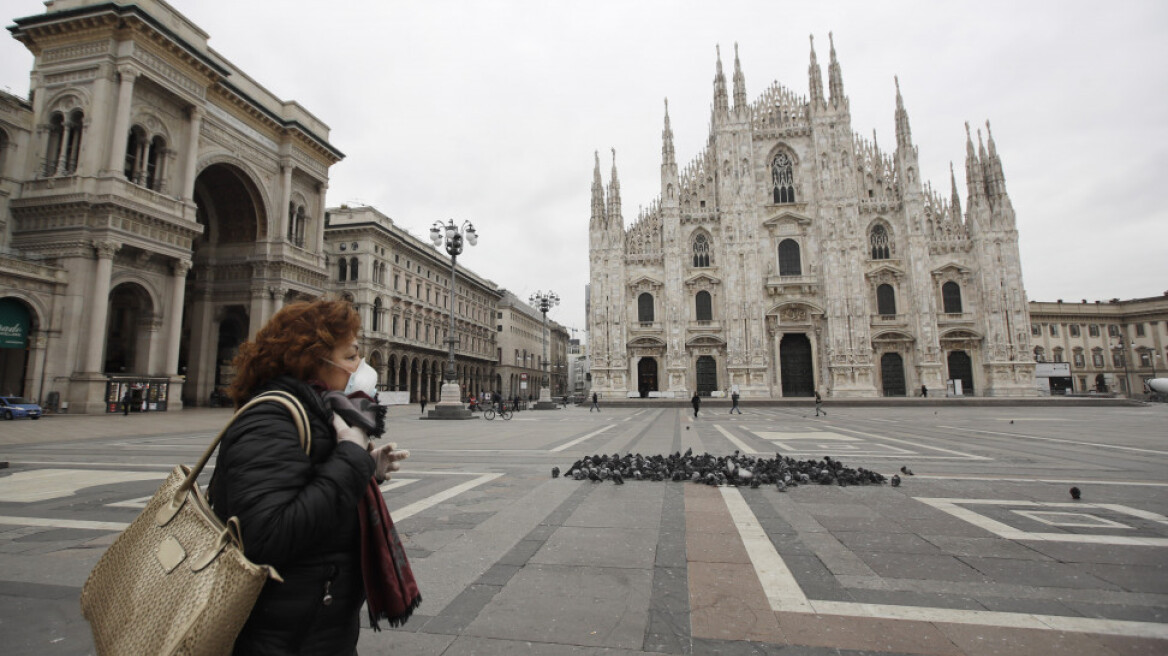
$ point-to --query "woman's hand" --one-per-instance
(347, 433)
(387, 456)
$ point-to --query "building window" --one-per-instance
(1097, 359)
(1074, 328)
(951, 298)
(1145, 358)
(395, 326)
(878, 240)
(701, 251)
(64, 144)
(789, 260)
(1039, 354)
(1139, 330)
(1117, 358)
(1113, 330)
(1058, 354)
(703, 307)
(645, 308)
(1080, 361)
(782, 179)
(377, 315)
(342, 269)
(353, 269)
(1054, 331)
(1093, 330)
(1035, 330)
(885, 300)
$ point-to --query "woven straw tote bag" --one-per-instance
(176, 580)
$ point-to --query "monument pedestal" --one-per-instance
(450, 406)
(545, 401)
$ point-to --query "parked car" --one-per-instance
(14, 407)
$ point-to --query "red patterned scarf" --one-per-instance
(390, 589)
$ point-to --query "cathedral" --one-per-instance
(792, 256)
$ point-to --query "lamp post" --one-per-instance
(544, 301)
(450, 404)
(1126, 372)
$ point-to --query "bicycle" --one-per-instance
(504, 412)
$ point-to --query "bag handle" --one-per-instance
(299, 418)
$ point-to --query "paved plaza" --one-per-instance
(982, 551)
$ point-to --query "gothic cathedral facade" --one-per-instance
(793, 256)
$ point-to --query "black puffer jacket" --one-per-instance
(299, 515)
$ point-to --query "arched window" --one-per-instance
(701, 250)
(703, 308)
(352, 268)
(1039, 354)
(73, 140)
(56, 137)
(789, 262)
(951, 297)
(298, 237)
(377, 314)
(137, 146)
(155, 163)
(645, 308)
(878, 240)
(782, 179)
(342, 269)
(885, 300)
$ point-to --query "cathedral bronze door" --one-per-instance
(647, 376)
(795, 365)
(961, 368)
(707, 373)
(892, 374)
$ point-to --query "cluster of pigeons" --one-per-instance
(737, 469)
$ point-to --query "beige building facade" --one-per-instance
(158, 206)
(792, 256)
(400, 285)
(521, 350)
(1110, 346)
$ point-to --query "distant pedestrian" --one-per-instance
(924, 391)
(423, 402)
(515, 402)
(819, 405)
(697, 404)
(126, 403)
(595, 403)
(734, 400)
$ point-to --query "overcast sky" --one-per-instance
(491, 110)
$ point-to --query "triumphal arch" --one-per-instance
(159, 205)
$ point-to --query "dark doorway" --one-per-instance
(707, 371)
(127, 339)
(1100, 383)
(892, 374)
(18, 322)
(647, 376)
(795, 365)
(961, 368)
(232, 333)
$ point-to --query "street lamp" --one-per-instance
(544, 301)
(450, 404)
(1126, 372)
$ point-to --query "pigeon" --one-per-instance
(906, 471)
(617, 479)
(895, 481)
(1076, 493)
(555, 472)
(1011, 421)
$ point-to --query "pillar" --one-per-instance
(99, 304)
(283, 217)
(122, 118)
(188, 189)
(178, 288)
(318, 239)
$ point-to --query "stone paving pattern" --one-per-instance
(523, 564)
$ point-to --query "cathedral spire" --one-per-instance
(903, 133)
(615, 220)
(815, 81)
(667, 152)
(597, 194)
(835, 79)
(995, 165)
(954, 197)
(739, 85)
(974, 183)
(721, 101)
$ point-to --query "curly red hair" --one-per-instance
(294, 342)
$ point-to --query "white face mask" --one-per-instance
(364, 379)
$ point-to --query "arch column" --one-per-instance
(178, 288)
(121, 119)
(195, 126)
(99, 305)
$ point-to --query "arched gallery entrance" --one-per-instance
(129, 331)
(16, 324)
(231, 210)
(795, 365)
(647, 376)
(892, 374)
(961, 368)
(707, 375)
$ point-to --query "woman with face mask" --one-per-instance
(312, 516)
